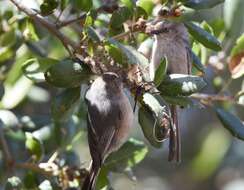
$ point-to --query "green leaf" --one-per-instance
(147, 5)
(35, 68)
(6, 53)
(140, 13)
(239, 46)
(68, 74)
(21, 88)
(152, 118)
(29, 32)
(147, 121)
(130, 154)
(202, 4)
(203, 36)
(119, 17)
(115, 53)
(48, 6)
(83, 5)
(197, 62)
(8, 39)
(129, 3)
(8, 118)
(133, 56)
(181, 85)
(34, 146)
(161, 71)
(232, 123)
(13, 183)
(63, 105)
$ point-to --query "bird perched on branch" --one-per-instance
(172, 42)
(109, 120)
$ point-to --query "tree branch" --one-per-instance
(71, 21)
(33, 167)
(214, 97)
(49, 26)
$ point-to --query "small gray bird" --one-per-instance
(172, 42)
(109, 120)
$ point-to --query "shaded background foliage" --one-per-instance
(44, 126)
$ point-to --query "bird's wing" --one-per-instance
(101, 130)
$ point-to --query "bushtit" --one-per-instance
(171, 41)
(109, 120)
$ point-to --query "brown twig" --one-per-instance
(212, 97)
(49, 26)
(71, 21)
(33, 167)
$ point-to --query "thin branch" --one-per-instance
(71, 21)
(210, 97)
(48, 25)
(33, 167)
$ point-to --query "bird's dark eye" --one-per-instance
(166, 30)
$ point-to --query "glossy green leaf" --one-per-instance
(128, 3)
(13, 183)
(152, 118)
(232, 123)
(8, 119)
(181, 85)
(161, 71)
(239, 46)
(140, 13)
(63, 105)
(8, 39)
(21, 88)
(133, 56)
(115, 53)
(34, 146)
(29, 32)
(147, 121)
(203, 36)
(68, 74)
(202, 4)
(130, 154)
(147, 5)
(35, 68)
(119, 17)
(6, 53)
